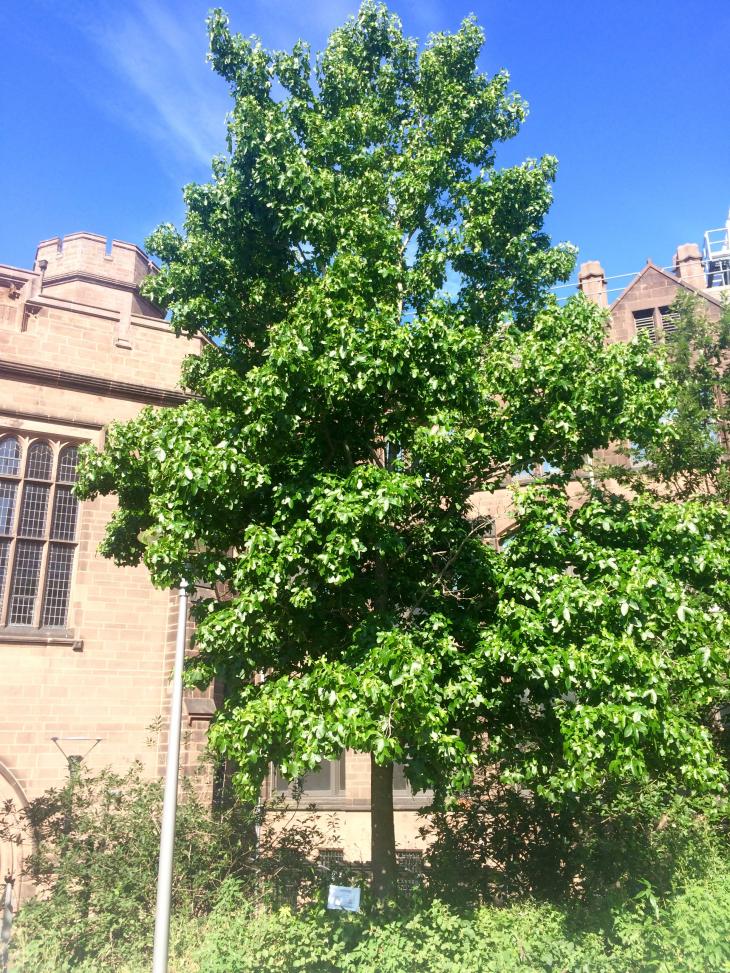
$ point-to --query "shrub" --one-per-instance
(94, 865)
(501, 843)
(690, 933)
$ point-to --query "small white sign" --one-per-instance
(344, 897)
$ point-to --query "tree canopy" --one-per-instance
(690, 459)
(384, 348)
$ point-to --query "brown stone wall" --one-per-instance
(143, 351)
(651, 289)
(352, 830)
(107, 674)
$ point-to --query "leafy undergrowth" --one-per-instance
(687, 933)
(637, 886)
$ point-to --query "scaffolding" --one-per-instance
(717, 255)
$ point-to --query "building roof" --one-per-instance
(651, 267)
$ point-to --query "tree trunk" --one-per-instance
(382, 832)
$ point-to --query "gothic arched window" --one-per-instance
(38, 519)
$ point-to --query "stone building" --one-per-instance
(86, 648)
(644, 305)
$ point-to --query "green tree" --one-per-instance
(690, 460)
(384, 350)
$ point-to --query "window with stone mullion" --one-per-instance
(37, 552)
(10, 456)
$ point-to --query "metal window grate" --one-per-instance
(58, 585)
(670, 320)
(25, 582)
(9, 456)
(330, 858)
(65, 513)
(40, 462)
(7, 506)
(644, 322)
(34, 510)
(67, 465)
(410, 870)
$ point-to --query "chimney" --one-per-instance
(592, 281)
(688, 265)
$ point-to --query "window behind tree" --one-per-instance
(645, 323)
(327, 780)
(38, 520)
(670, 320)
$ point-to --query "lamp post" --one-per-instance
(7, 922)
(169, 806)
(74, 759)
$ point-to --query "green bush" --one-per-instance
(94, 866)
(501, 844)
(690, 933)
(95, 863)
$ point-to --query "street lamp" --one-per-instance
(74, 759)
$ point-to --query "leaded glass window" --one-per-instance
(38, 523)
(9, 456)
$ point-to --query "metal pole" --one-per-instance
(169, 807)
(7, 925)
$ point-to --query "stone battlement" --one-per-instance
(88, 255)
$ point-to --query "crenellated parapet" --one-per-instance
(80, 305)
(90, 255)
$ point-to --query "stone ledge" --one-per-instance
(113, 388)
(200, 708)
(15, 636)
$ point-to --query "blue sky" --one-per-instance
(109, 108)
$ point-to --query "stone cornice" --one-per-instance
(90, 278)
(16, 275)
(93, 384)
(56, 420)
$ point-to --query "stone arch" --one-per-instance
(12, 854)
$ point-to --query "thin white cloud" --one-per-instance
(151, 70)
(167, 92)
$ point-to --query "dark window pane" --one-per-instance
(4, 552)
(58, 585)
(40, 462)
(400, 782)
(320, 779)
(26, 573)
(9, 456)
(33, 510)
(65, 512)
(7, 506)
(67, 463)
(317, 781)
